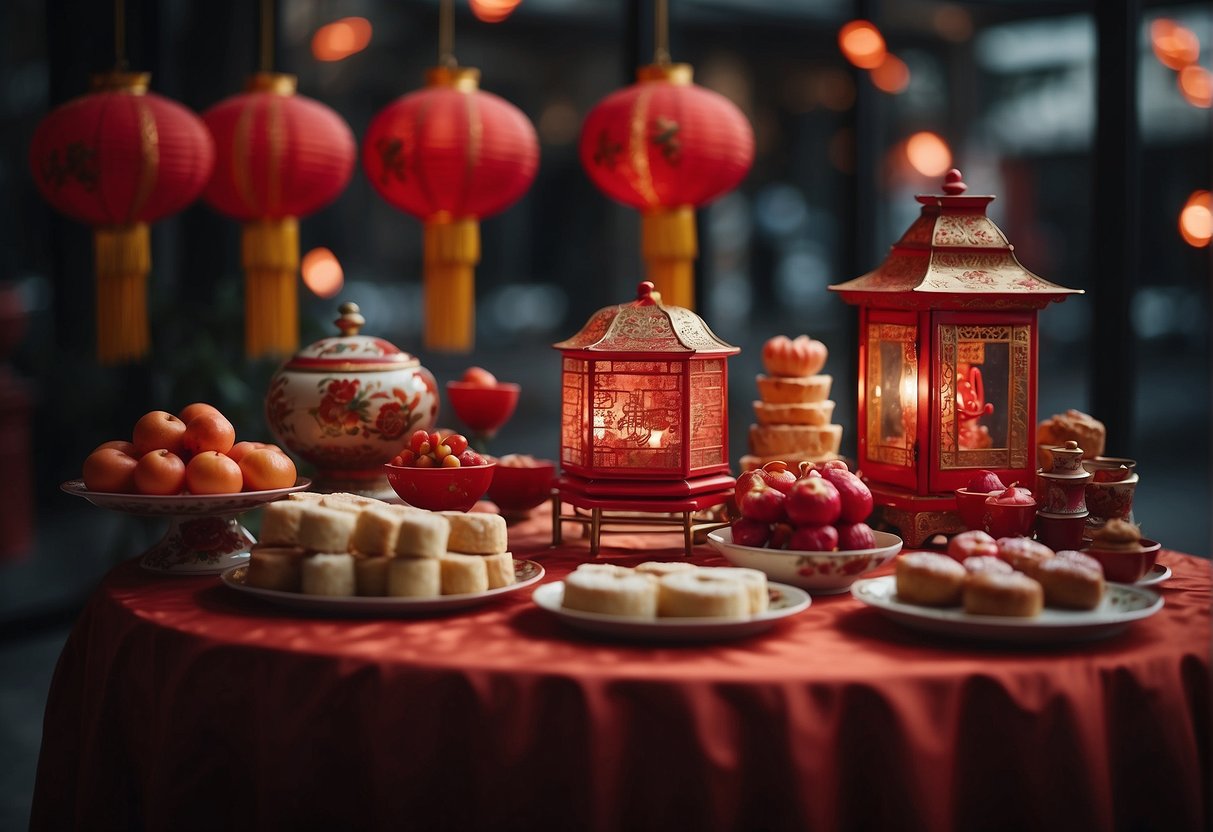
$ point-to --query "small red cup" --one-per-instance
(1126, 566)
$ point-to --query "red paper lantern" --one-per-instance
(280, 156)
(118, 159)
(450, 154)
(666, 146)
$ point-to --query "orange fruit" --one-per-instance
(159, 472)
(111, 470)
(210, 472)
(196, 409)
(267, 468)
(241, 448)
(209, 432)
(158, 429)
(127, 448)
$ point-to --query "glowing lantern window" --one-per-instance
(948, 355)
(645, 398)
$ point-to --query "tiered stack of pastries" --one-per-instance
(1012, 576)
(795, 408)
(666, 590)
(345, 544)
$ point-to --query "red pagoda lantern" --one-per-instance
(118, 159)
(644, 414)
(666, 146)
(947, 362)
(281, 156)
(450, 154)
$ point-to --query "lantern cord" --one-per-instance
(661, 32)
(267, 35)
(120, 35)
(446, 34)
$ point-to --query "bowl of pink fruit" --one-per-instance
(971, 500)
(806, 529)
(439, 473)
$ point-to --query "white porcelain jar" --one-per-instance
(348, 404)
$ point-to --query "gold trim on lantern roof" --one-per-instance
(674, 73)
(647, 325)
(135, 83)
(953, 256)
(275, 82)
(462, 78)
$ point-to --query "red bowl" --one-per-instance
(441, 489)
(1008, 521)
(518, 489)
(971, 505)
(483, 409)
(1126, 567)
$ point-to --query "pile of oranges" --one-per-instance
(195, 451)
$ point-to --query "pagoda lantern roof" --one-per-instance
(952, 257)
(646, 325)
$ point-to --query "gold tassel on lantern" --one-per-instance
(122, 261)
(270, 256)
(669, 246)
(452, 250)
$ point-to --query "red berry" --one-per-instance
(813, 501)
(470, 457)
(457, 442)
(822, 538)
(424, 461)
(762, 503)
(417, 439)
(855, 495)
(853, 536)
(397, 461)
(407, 457)
(751, 532)
(450, 460)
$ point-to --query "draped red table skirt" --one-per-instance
(179, 704)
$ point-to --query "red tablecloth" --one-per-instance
(178, 704)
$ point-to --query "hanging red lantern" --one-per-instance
(450, 154)
(118, 159)
(666, 146)
(280, 156)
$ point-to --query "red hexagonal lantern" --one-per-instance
(120, 158)
(947, 362)
(280, 156)
(666, 146)
(644, 412)
(450, 154)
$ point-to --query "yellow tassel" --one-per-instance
(270, 256)
(669, 246)
(122, 260)
(452, 250)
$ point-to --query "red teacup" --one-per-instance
(1128, 565)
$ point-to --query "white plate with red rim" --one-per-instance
(785, 601)
(526, 573)
(1122, 604)
(821, 573)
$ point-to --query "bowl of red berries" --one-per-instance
(805, 529)
(439, 473)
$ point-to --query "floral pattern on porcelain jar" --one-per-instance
(346, 404)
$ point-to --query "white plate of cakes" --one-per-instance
(526, 573)
(1121, 606)
(675, 601)
(342, 554)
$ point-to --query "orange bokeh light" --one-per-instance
(892, 76)
(1196, 219)
(1175, 46)
(1196, 86)
(322, 273)
(862, 44)
(493, 11)
(341, 38)
(928, 154)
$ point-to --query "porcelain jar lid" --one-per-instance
(349, 351)
(1067, 463)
